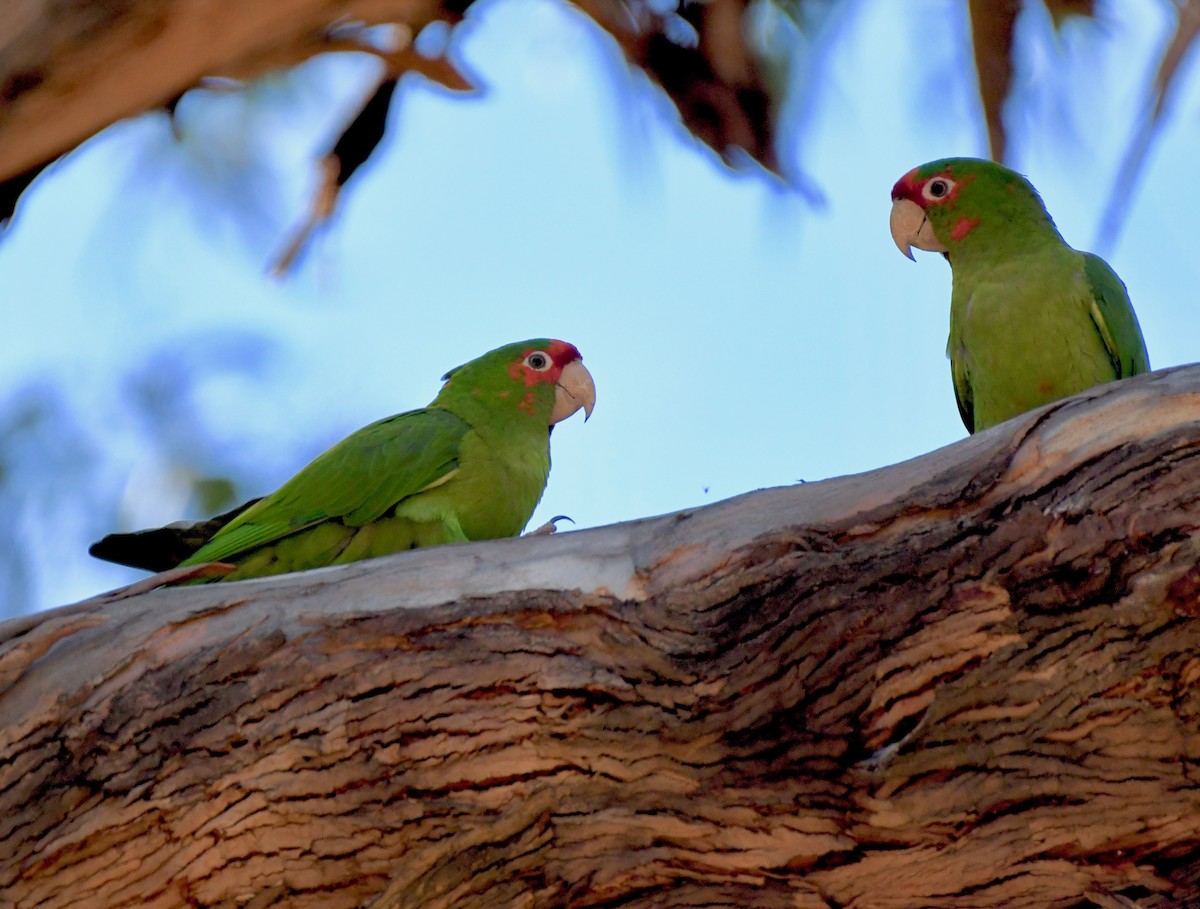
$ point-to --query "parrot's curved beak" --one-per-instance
(911, 228)
(575, 390)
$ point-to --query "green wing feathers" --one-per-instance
(1032, 320)
(470, 466)
(357, 481)
(962, 392)
(1114, 318)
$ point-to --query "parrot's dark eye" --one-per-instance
(539, 361)
(937, 189)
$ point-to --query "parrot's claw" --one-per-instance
(549, 527)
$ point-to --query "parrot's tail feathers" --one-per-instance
(163, 547)
(153, 550)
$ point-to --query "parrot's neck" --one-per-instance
(1001, 238)
(503, 415)
(504, 459)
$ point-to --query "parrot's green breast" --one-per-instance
(1031, 319)
(1030, 330)
(492, 494)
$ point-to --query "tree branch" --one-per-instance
(971, 679)
(68, 70)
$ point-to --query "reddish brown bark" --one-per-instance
(968, 680)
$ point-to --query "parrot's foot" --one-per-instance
(169, 578)
(549, 527)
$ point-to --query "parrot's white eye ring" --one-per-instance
(539, 360)
(937, 189)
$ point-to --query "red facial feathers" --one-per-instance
(912, 187)
(560, 352)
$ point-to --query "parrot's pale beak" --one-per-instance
(911, 228)
(575, 390)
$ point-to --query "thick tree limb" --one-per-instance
(968, 680)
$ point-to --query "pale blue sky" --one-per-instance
(739, 336)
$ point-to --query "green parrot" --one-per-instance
(1031, 319)
(470, 466)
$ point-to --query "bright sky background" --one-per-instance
(740, 337)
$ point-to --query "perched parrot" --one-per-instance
(1031, 319)
(470, 466)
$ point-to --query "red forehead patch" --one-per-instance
(907, 187)
(911, 186)
(560, 352)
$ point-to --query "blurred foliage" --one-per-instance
(57, 459)
(732, 69)
(996, 53)
(44, 451)
(1168, 70)
(189, 456)
(994, 46)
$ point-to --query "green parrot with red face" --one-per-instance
(1031, 319)
(470, 466)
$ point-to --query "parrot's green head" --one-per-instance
(541, 379)
(962, 204)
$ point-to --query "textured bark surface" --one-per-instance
(968, 680)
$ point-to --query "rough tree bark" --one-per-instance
(968, 680)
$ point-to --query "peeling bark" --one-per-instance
(968, 680)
